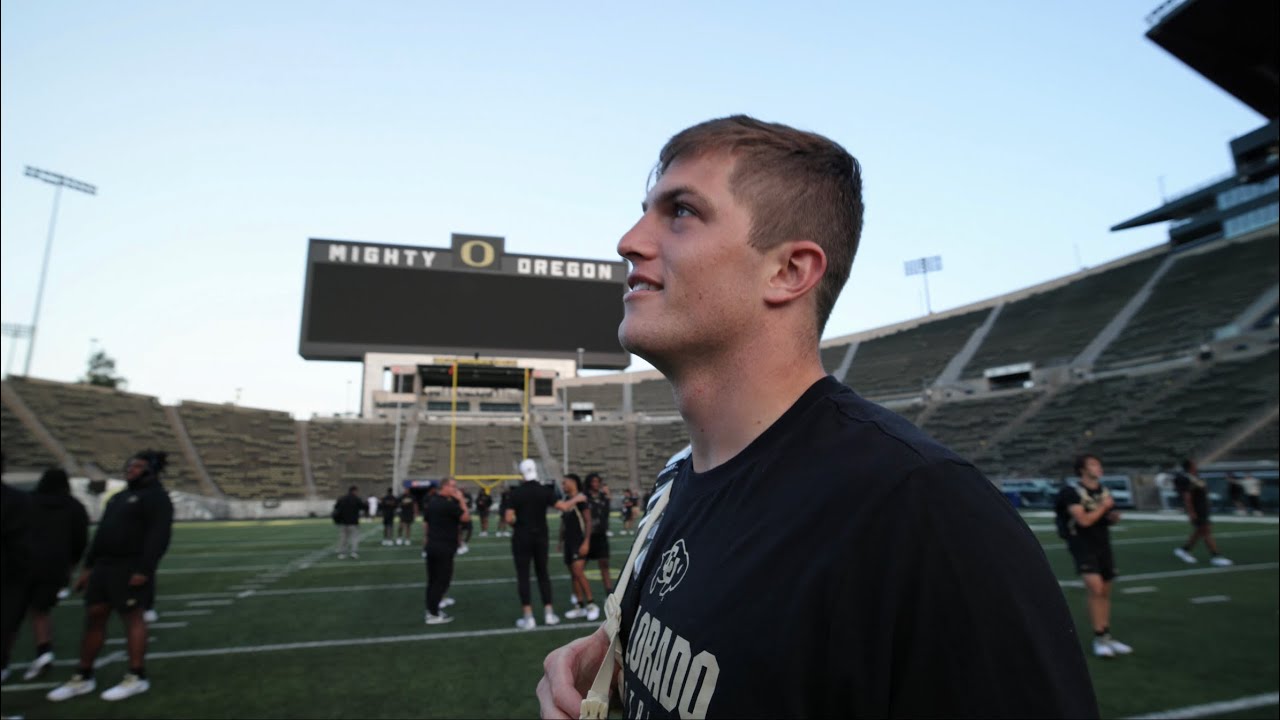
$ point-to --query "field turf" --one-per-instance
(259, 619)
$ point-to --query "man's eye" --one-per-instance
(682, 211)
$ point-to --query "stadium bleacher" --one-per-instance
(909, 360)
(21, 449)
(655, 444)
(607, 398)
(966, 426)
(1200, 293)
(833, 356)
(653, 396)
(248, 453)
(104, 427)
(345, 453)
(1261, 444)
(1052, 327)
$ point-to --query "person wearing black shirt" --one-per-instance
(598, 499)
(1195, 500)
(526, 513)
(407, 507)
(59, 532)
(445, 510)
(628, 511)
(346, 515)
(133, 534)
(576, 535)
(484, 503)
(1084, 513)
(504, 502)
(815, 555)
(387, 507)
(467, 526)
(15, 569)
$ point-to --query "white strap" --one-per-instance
(595, 706)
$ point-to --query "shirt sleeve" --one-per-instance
(969, 621)
(159, 528)
(79, 532)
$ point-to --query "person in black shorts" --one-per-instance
(407, 508)
(598, 500)
(15, 569)
(445, 510)
(387, 506)
(1195, 500)
(504, 502)
(466, 527)
(484, 503)
(1084, 513)
(576, 518)
(628, 511)
(59, 532)
(815, 555)
(132, 536)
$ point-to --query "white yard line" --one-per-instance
(218, 603)
(1210, 599)
(166, 625)
(1173, 516)
(1215, 709)
(1138, 590)
(1182, 573)
(29, 686)
(186, 613)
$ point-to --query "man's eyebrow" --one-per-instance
(669, 195)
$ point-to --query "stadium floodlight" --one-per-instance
(922, 267)
(17, 332)
(58, 182)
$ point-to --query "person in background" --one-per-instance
(1195, 501)
(387, 505)
(445, 511)
(346, 515)
(59, 532)
(15, 570)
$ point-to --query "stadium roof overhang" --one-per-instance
(1233, 44)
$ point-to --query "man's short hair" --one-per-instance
(353, 488)
(1187, 464)
(797, 185)
(1082, 459)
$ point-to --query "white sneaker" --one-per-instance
(342, 556)
(355, 556)
(550, 618)
(4, 675)
(64, 593)
(1219, 561)
(608, 533)
(593, 612)
(446, 602)
(151, 616)
(131, 685)
(1118, 647)
(38, 666)
(573, 599)
(1185, 556)
(484, 534)
(77, 685)
(576, 613)
(463, 549)
(440, 619)
(527, 623)
(1102, 648)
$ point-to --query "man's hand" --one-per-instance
(137, 580)
(1108, 501)
(82, 582)
(584, 548)
(568, 674)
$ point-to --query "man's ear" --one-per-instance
(798, 267)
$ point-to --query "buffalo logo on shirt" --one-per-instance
(671, 570)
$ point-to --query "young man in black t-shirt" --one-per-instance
(816, 555)
(407, 507)
(484, 502)
(1084, 512)
(387, 507)
(598, 500)
(1195, 500)
(576, 536)
(445, 511)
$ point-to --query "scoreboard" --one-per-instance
(470, 298)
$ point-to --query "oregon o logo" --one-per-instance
(467, 253)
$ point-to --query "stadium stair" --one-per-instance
(1239, 434)
(304, 451)
(207, 484)
(14, 402)
(951, 373)
(842, 371)
(1108, 334)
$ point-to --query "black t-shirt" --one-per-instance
(599, 503)
(1097, 535)
(137, 522)
(574, 519)
(846, 565)
(407, 507)
(388, 506)
(1186, 483)
(530, 500)
(442, 515)
(484, 501)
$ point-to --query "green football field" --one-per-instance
(259, 619)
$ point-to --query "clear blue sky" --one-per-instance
(1004, 136)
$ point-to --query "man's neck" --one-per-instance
(1089, 482)
(728, 403)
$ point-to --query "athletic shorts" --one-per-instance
(627, 513)
(13, 602)
(110, 584)
(1201, 518)
(388, 519)
(571, 546)
(43, 595)
(1093, 560)
(599, 549)
(406, 519)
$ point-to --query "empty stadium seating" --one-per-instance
(21, 449)
(967, 426)
(833, 356)
(653, 396)
(1200, 293)
(345, 453)
(1262, 444)
(104, 426)
(909, 360)
(249, 454)
(607, 398)
(1053, 327)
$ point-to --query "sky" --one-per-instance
(1004, 136)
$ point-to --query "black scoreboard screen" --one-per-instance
(467, 299)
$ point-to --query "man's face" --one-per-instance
(1092, 468)
(136, 468)
(695, 280)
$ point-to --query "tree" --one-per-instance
(102, 372)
